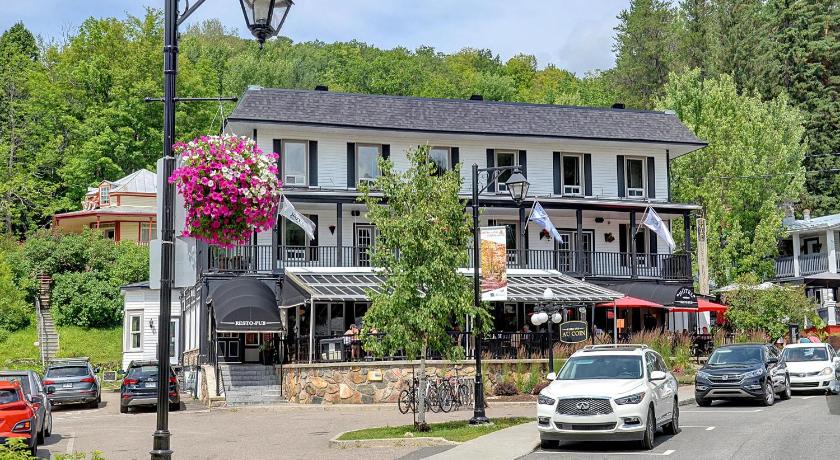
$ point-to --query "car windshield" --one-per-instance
(736, 355)
(143, 371)
(8, 396)
(23, 380)
(799, 354)
(68, 371)
(602, 367)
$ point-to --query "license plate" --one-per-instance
(67, 385)
(151, 385)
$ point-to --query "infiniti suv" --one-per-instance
(609, 393)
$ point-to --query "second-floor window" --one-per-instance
(505, 158)
(105, 195)
(442, 158)
(572, 174)
(367, 162)
(295, 154)
(634, 171)
(148, 231)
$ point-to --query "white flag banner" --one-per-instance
(289, 212)
(539, 216)
(656, 225)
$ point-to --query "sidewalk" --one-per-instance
(520, 440)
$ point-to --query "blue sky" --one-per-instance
(572, 34)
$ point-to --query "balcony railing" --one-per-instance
(784, 267)
(260, 258)
(809, 264)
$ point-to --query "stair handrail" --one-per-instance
(41, 333)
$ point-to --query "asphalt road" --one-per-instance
(805, 427)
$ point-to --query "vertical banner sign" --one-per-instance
(493, 258)
(702, 257)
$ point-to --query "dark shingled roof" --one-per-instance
(458, 116)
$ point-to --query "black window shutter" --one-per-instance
(455, 153)
(491, 161)
(351, 165)
(278, 145)
(386, 151)
(620, 174)
(313, 244)
(558, 165)
(523, 161)
(622, 243)
(653, 249)
(651, 173)
(313, 163)
(587, 174)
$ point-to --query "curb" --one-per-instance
(686, 402)
(335, 443)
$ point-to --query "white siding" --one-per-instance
(146, 301)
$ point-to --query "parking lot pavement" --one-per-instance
(804, 427)
(284, 431)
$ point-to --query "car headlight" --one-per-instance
(754, 373)
(703, 375)
(543, 399)
(827, 371)
(631, 399)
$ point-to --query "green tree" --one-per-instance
(86, 299)
(753, 165)
(770, 310)
(644, 48)
(14, 311)
(423, 239)
(738, 41)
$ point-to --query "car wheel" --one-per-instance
(93, 404)
(174, 407)
(123, 409)
(673, 427)
(40, 436)
(785, 394)
(769, 396)
(650, 431)
(48, 429)
(548, 443)
(703, 402)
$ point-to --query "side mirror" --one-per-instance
(97, 369)
(50, 389)
(837, 359)
(36, 399)
(121, 372)
(657, 375)
(772, 360)
(551, 376)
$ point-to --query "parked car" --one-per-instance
(72, 381)
(812, 366)
(36, 395)
(139, 387)
(742, 371)
(609, 393)
(18, 418)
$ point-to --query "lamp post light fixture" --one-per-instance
(517, 187)
(266, 18)
(542, 314)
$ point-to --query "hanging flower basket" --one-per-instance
(230, 188)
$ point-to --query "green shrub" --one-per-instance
(14, 312)
(539, 387)
(15, 449)
(505, 389)
(86, 299)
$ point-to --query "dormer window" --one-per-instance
(104, 195)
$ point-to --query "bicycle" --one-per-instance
(408, 397)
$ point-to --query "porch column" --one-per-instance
(634, 271)
(832, 251)
(339, 254)
(579, 241)
(275, 243)
(796, 255)
(521, 256)
(687, 230)
(311, 331)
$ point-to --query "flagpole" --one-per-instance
(641, 221)
(531, 213)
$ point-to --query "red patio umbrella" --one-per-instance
(631, 302)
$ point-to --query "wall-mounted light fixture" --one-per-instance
(332, 229)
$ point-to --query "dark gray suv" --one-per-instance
(72, 381)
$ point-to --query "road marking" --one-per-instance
(71, 443)
(706, 427)
(577, 452)
(722, 411)
(808, 397)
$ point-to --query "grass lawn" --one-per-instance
(102, 346)
(458, 431)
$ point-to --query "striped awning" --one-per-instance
(352, 284)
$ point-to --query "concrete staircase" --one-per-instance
(250, 384)
(48, 338)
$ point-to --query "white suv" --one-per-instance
(812, 366)
(609, 393)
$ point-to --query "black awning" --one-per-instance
(667, 294)
(245, 305)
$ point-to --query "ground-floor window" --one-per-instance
(135, 331)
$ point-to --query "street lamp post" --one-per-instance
(261, 17)
(542, 314)
(517, 187)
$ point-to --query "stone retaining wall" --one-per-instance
(382, 381)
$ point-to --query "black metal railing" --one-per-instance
(261, 258)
